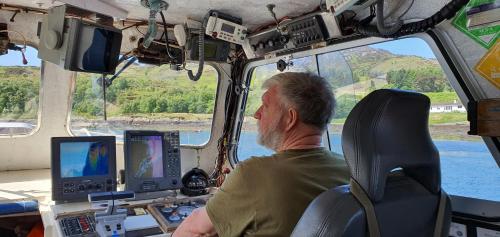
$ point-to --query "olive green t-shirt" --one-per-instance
(266, 196)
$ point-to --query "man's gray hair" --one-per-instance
(309, 94)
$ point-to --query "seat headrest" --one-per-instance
(388, 129)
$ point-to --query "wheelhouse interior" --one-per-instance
(149, 76)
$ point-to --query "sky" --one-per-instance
(14, 58)
(408, 46)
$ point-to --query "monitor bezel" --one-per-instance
(135, 184)
(74, 46)
(58, 180)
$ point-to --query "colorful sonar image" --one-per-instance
(147, 156)
(84, 159)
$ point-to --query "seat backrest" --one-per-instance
(390, 154)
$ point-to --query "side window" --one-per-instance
(19, 92)
(467, 167)
(248, 137)
(147, 98)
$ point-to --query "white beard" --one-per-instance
(273, 137)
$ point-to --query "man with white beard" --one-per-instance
(266, 196)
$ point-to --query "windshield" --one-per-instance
(146, 97)
(468, 168)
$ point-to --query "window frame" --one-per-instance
(40, 102)
(217, 69)
(247, 79)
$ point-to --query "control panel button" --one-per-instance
(81, 187)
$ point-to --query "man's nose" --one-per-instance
(256, 115)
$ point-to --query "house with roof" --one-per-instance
(448, 107)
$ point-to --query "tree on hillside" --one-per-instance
(15, 94)
(429, 84)
(344, 105)
(401, 79)
(421, 80)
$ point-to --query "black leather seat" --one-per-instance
(391, 156)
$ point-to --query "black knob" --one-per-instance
(283, 39)
(81, 187)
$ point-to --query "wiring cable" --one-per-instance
(224, 144)
(201, 50)
(446, 12)
(165, 32)
(404, 12)
(382, 28)
(407, 9)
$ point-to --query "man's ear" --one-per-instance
(292, 119)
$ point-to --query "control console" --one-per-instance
(170, 215)
(88, 186)
(307, 31)
(173, 152)
(81, 225)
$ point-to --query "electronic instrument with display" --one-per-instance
(82, 165)
(152, 161)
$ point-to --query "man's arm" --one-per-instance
(197, 224)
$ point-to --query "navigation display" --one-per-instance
(80, 159)
(82, 165)
(146, 156)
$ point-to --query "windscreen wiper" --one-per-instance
(109, 81)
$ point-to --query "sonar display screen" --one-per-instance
(80, 159)
(146, 156)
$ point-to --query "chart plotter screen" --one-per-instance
(80, 159)
(147, 156)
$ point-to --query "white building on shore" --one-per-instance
(448, 107)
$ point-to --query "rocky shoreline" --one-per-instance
(438, 132)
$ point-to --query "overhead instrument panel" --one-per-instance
(305, 31)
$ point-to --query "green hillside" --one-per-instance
(146, 90)
(353, 73)
(157, 91)
(19, 92)
(443, 97)
(404, 62)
